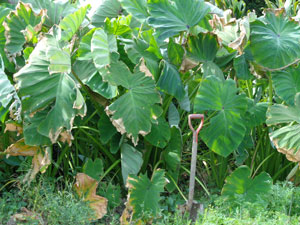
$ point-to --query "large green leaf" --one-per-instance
(226, 130)
(275, 41)
(131, 113)
(145, 194)
(170, 19)
(107, 8)
(286, 138)
(102, 45)
(287, 84)
(57, 92)
(17, 23)
(170, 81)
(138, 8)
(71, 23)
(240, 185)
(131, 161)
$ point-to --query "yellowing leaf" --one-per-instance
(85, 187)
(40, 161)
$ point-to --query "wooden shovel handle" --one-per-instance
(193, 117)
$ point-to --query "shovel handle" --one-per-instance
(193, 117)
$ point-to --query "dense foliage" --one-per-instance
(100, 91)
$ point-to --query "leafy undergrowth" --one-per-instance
(41, 203)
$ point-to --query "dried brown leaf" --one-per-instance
(40, 161)
(85, 187)
(13, 127)
(144, 69)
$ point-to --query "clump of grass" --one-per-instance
(52, 204)
(280, 206)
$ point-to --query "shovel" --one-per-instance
(193, 209)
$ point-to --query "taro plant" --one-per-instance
(105, 88)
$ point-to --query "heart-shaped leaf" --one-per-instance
(143, 197)
(270, 38)
(131, 113)
(240, 184)
(202, 48)
(226, 130)
(7, 90)
(16, 26)
(170, 19)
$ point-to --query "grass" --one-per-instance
(58, 205)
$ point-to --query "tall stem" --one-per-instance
(270, 89)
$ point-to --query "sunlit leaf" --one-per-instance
(138, 8)
(71, 23)
(16, 24)
(226, 130)
(131, 113)
(102, 45)
(107, 8)
(170, 19)
(41, 89)
(143, 198)
(240, 184)
(271, 36)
